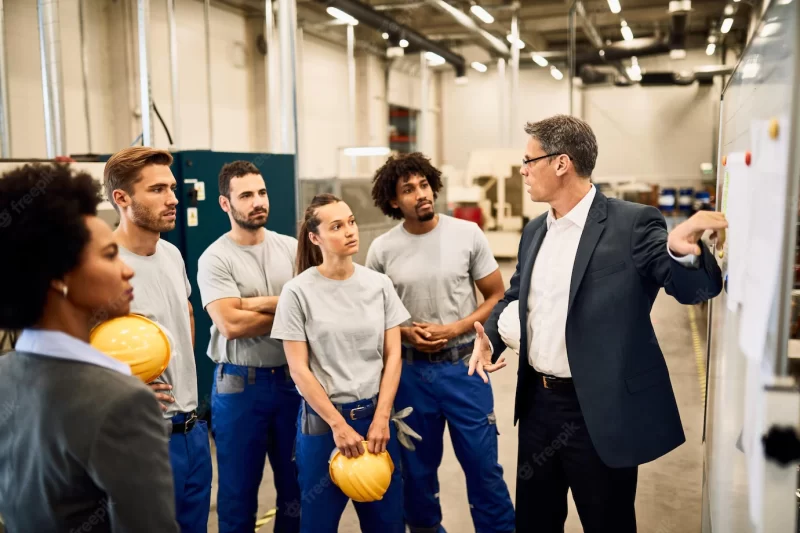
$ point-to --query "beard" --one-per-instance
(427, 216)
(148, 220)
(244, 221)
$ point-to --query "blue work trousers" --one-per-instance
(323, 502)
(254, 412)
(190, 457)
(442, 392)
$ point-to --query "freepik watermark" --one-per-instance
(18, 206)
(568, 429)
(97, 517)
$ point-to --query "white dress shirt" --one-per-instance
(59, 345)
(548, 297)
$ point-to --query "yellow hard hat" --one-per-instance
(364, 478)
(135, 340)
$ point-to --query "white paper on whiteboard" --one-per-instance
(737, 213)
(769, 170)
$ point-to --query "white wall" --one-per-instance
(238, 85)
(471, 112)
(113, 86)
(649, 133)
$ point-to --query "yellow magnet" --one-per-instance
(773, 128)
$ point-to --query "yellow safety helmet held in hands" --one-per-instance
(135, 340)
(364, 478)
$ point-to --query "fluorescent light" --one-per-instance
(482, 14)
(539, 60)
(614, 6)
(728, 10)
(480, 67)
(403, 43)
(338, 14)
(634, 72)
(627, 33)
(385, 36)
(726, 25)
(710, 49)
(434, 59)
(556, 73)
(510, 39)
(677, 53)
(362, 151)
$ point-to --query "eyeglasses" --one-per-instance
(526, 161)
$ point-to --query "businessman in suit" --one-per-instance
(594, 398)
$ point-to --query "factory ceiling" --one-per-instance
(543, 24)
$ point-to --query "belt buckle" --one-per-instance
(544, 382)
(353, 411)
(192, 418)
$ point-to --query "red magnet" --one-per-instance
(747, 158)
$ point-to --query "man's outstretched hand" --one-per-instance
(481, 360)
(683, 238)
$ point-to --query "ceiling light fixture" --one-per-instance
(385, 36)
(434, 60)
(539, 60)
(627, 33)
(482, 14)
(480, 67)
(403, 43)
(710, 49)
(520, 43)
(338, 14)
(614, 6)
(726, 25)
(556, 73)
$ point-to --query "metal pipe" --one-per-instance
(514, 110)
(501, 100)
(5, 132)
(287, 24)
(351, 85)
(145, 101)
(379, 21)
(207, 24)
(422, 125)
(273, 89)
(571, 56)
(173, 74)
(85, 71)
(52, 88)
(495, 44)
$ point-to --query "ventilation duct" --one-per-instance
(368, 15)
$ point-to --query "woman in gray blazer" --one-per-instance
(83, 446)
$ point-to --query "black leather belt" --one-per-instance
(187, 425)
(448, 355)
(554, 382)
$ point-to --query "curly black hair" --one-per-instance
(397, 167)
(42, 234)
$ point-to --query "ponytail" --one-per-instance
(308, 254)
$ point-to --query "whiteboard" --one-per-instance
(737, 498)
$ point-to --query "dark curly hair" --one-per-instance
(403, 166)
(42, 233)
(236, 169)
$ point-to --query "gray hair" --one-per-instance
(563, 134)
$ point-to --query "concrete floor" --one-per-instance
(669, 489)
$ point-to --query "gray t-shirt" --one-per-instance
(229, 270)
(434, 273)
(161, 293)
(343, 322)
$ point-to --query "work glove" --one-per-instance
(404, 431)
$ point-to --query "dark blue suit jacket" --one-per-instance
(617, 366)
